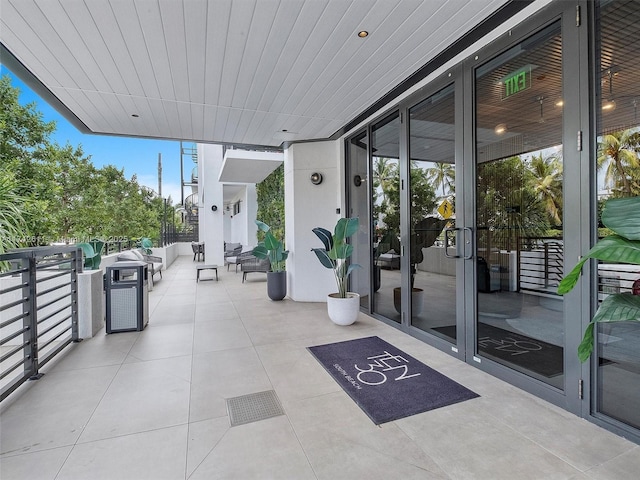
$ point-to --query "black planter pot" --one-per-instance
(277, 285)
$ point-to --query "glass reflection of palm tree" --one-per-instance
(618, 153)
(546, 180)
(383, 174)
(442, 175)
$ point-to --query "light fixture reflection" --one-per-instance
(559, 103)
(500, 129)
(609, 105)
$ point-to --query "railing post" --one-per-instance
(75, 328)
(30, 321)
(546, 265)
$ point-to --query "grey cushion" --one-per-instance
(129, 255)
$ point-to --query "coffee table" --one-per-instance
(199, 268)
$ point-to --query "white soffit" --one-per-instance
(253, 72)
(246, 166)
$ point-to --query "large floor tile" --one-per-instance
(626, 465)
(469, 444)
(204, 436)
(162, 341)
(342, 442)
(221, 375)
(143, 396)
(220, 335)
(43, 465)
(267, 449)
(155, 455)
(53, 411)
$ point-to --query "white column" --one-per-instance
(308, 206)
(209, 194)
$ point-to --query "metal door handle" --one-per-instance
(446, 243)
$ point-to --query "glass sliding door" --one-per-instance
(359, 190)
(519, 198)
(618, 166)
(385, 156)
(433, 253)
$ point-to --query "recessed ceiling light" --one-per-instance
(363, 34)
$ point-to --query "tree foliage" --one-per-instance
(61, 196)
(270, 199)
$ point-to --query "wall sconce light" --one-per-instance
(214, 208)
(357, 180)
(316, 178)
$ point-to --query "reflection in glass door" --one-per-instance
(358, 188)
(618, 164)
(519, 233)
(385, 148)
(432, 205)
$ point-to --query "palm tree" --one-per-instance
(546, 180)
(383, 175)
(618, 153)
(442, 175)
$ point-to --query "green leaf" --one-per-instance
(622, 215)
(609, 249)
(341, 251)
(263, 226)
(271, 242)
(345, 228)
(586, 346)
(621, 307)
(261, 251)
(325, 237)
(570, 280)
(323, 256)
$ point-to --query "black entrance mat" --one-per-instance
(386, 383)
(530, 353)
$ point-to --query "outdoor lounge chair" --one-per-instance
(250, 263)
(155, 263)
(92, 258)
(198, 249)
(231, 253)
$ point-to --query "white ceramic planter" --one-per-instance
(343, 311)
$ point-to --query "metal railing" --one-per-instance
(540, 263)
(38, 310)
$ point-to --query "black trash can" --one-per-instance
(127, 295)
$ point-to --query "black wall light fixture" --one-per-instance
(316, 178)
(357, 180)
(214, 208)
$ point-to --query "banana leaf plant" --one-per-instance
(336, 251)
(271, 248)
(622, 215)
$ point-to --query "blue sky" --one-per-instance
(136, 155)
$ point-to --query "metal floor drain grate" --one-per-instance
(253, 407)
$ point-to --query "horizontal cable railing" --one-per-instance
(38, 310)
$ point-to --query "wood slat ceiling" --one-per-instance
(226, 71)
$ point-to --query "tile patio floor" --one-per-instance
(151, 405)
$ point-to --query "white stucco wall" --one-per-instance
(308, 206)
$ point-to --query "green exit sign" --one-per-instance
(516, 82)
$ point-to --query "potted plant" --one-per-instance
(272, 249)
(342, 306)
(622, 215)
(426, 232)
